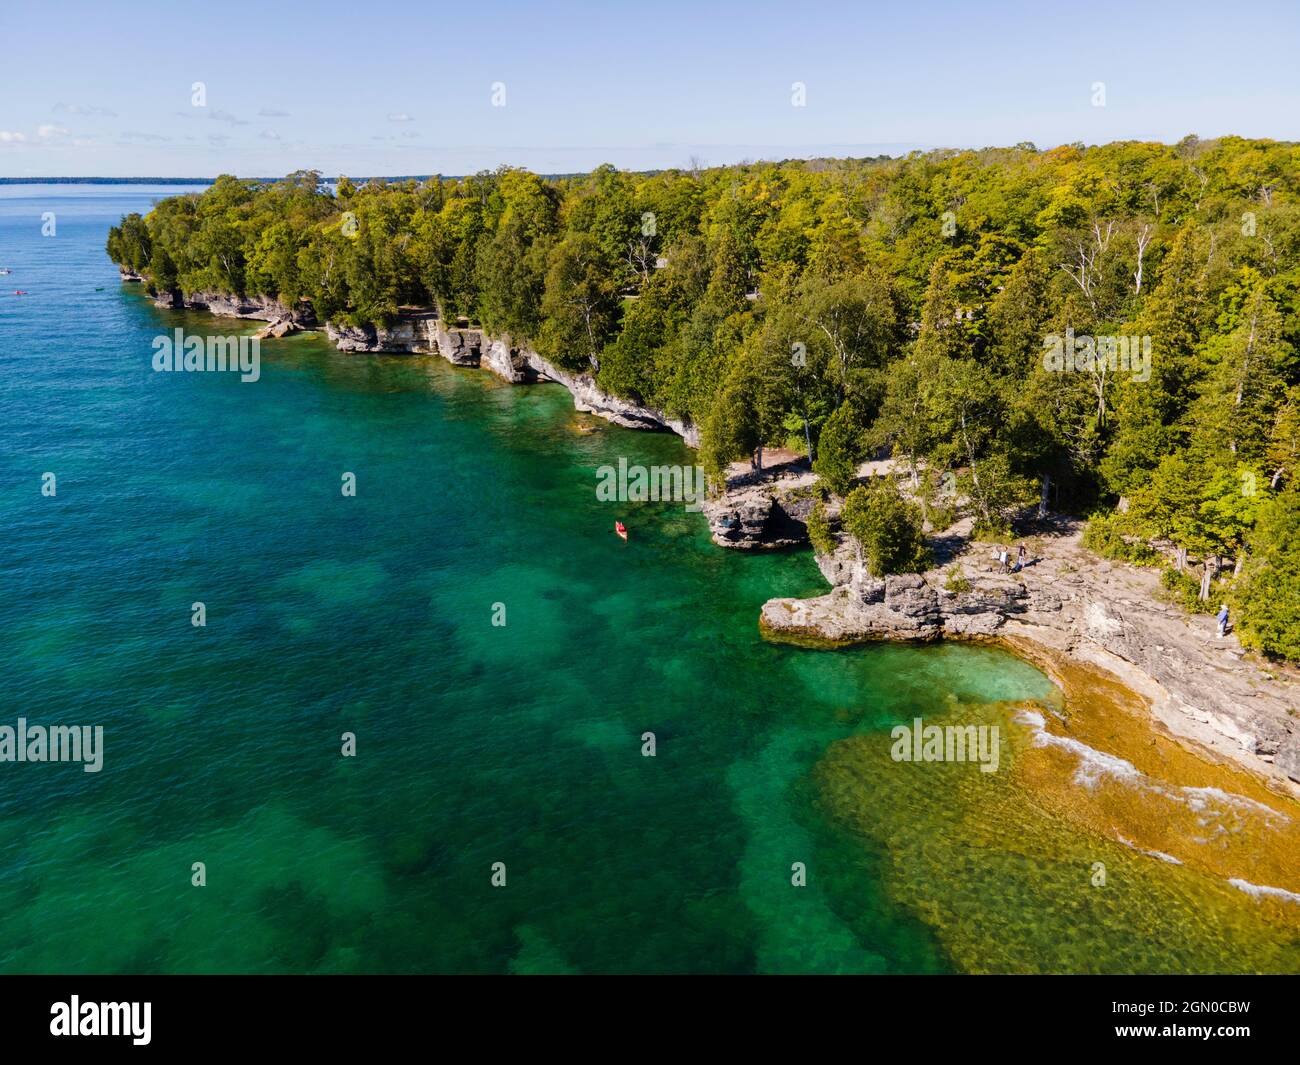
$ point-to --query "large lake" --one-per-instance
(476, 743)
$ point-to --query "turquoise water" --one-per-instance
(476, 743)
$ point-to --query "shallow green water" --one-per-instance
(325, 614)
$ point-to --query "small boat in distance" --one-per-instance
(621, 529)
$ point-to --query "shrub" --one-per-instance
(839, 449)
(887, 527)
(993, 531)
(1185, 590)
(1105, 536)
(819, 529)
(956, 581)
(1264, 597)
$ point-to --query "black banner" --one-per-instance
(142, 1014)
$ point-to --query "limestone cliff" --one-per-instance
(420, 331)
(263, 308)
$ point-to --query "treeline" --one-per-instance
(853, 308)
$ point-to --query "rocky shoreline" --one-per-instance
(1067, 601)
(420, 331)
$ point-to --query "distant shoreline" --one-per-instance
(112, 180)
(212, 180)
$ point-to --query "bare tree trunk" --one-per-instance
(1143, 239)
(1210, 572)
(1042, 495)
(1180, 559)
(1241, 561)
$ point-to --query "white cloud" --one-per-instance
(269, 135)
(51, 131)
(6, 137)
(400, 116)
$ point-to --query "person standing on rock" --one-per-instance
(1021, 556)
(1002, 559)
(1222, 619)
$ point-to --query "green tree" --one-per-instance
(886, 528)
(1264, 597)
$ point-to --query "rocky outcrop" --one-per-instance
(903, 606)
(128, 274)
(761, 513)
(587, 397)
(420, 331)
(410, 333)
(1107, 614)
(460, 347)
(1287, 758)
(263, 308)
(508, 362)
(277, 329)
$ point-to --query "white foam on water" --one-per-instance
(1093, 764)
(1199, 799)
(1263, 890)
(1164, 857)
(1151, 854)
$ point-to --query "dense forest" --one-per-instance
(1106, 330)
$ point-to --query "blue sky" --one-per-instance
(406, 87)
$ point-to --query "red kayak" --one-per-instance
(621, 529)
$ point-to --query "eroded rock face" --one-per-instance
(507, 362)
(904, 606)
(841, 566)
(766, 514)
(411, 333)
(1287, 756)
(420, 331)
(460, 347)
(262, 308)
(281, 327)
(914, 601)
(590, 399)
